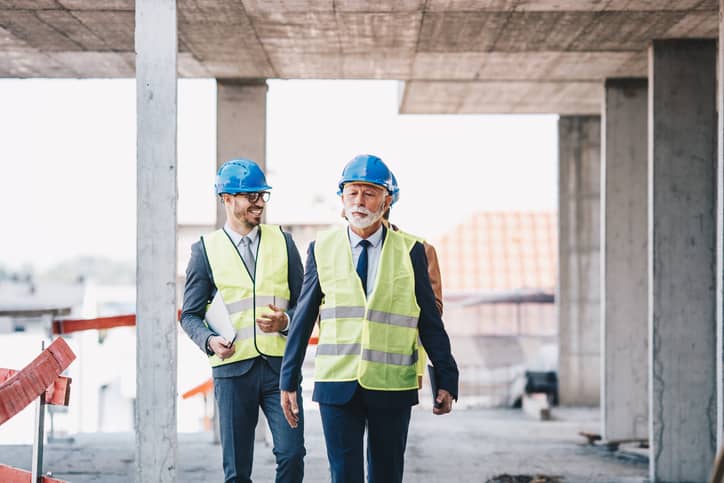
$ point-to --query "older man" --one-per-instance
(257, 271)
(370, 287)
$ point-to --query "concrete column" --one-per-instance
(579, 183)
(720, 237)
(156, 393)
(624, 269)
(682, 259)
(240, 125)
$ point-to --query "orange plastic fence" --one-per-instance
(27, 384)
(8, 474)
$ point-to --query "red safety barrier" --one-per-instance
(57, 394)
(8, 474)
(30, 382)
(66, 326)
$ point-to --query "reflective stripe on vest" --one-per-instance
(244, 299)
(422, 356)
(372, 341)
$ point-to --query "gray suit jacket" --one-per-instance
(200, 290)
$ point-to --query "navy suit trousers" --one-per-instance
(344, 427)
(239, 399)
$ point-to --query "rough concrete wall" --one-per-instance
(579, 151)
(624, 311)
(682, 258)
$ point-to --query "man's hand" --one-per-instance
(274, 322)
(444, 400)
(221, 347)
(290, 408)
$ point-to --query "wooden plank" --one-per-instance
(30, 382)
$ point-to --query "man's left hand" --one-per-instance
(276, 321)
(444, 400)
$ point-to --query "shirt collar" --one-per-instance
(375, 239)
(236, 237)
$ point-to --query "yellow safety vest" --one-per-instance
(245, 299)
(422, 355)
(372, 341)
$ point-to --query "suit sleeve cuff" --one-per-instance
(285, 330)
(209, 352)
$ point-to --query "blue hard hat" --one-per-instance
(366, 168)
(395, 190)
(240, 176)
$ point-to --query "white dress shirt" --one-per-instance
(373, 254)
(254, 236)
(236, 237)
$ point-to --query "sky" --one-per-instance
(68, 163)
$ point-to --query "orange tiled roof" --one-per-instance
(500, 251)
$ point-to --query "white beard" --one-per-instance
(365, 222)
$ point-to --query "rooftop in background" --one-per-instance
(500, 251)
(457, 56)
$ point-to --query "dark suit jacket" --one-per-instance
(432, 333)
(200, 290)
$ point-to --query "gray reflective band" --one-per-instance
(261, 301)
(342, 313)
(389, 358)
(392, 319)
(338, 349)
(245, 333)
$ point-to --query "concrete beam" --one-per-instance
(240, 125)
(682, 259)
(579, 183)
(501, 97)
(624, 269)
(156, 106)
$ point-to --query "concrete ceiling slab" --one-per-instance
(568, 5)
(474, 48)
(127, 5)
(370, 32)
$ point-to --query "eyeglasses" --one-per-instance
(254, 197)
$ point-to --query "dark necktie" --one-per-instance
(362, 264)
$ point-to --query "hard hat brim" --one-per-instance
(349, 181)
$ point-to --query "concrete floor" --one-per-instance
(468, 445)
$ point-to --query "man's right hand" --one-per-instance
(221, 347)
(289, 406)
